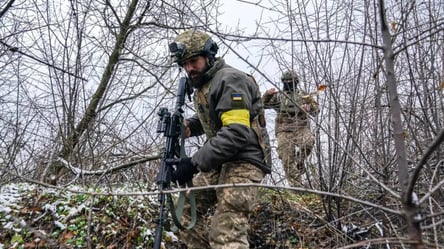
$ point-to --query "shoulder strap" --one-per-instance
(202, 98)
(176, 212)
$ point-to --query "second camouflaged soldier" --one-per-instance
(292, 126)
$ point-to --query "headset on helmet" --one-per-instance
(290, 80)
(192, 43)
(290, 76)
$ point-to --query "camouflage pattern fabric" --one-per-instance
(286, 122)
(194, 42)
(228, 227)
(294, 147)
(292, 131)
(211, 101)
(267, 146)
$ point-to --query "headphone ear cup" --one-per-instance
(211, 47)
(214, 48)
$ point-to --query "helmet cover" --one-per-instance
(192, 43)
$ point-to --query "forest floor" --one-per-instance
(36, 217)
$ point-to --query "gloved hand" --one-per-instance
(184, 171)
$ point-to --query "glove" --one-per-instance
(184, 171)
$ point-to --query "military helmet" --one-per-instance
(192, 43)
(289, 80)
(290, 76)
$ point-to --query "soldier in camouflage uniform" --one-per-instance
(227, 111)
(292, 127)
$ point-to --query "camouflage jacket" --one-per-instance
(228, 139)
(290, 117)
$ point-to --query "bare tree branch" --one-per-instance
(6, 8)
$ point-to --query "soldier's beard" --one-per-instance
(198, 78)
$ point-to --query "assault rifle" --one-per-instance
(171, 125)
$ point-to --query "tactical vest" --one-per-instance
(203, 111)
(290, 105)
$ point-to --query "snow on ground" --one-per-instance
(64, 206)
(10, 196)
(11, 193)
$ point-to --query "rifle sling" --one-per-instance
(182, 196)
(179, 210)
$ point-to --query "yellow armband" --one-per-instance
(236, 116)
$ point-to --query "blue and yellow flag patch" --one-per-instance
(237, 101)
(236, 96)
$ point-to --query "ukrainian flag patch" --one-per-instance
(236, 96)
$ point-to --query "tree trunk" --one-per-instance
(72, 140)
(411, 210)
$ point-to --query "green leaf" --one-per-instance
(16, 238)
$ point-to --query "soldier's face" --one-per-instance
(195, 68)
(289, 85)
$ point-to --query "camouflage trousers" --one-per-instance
(228, 227)
(293, 149)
